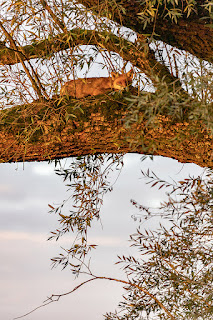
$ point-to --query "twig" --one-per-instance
(36, 84)
(54, 17)
(56, 297)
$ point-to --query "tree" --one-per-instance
(42, 45)
(168, 112)
(171, 276)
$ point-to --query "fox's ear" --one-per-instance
(130, 74)
(113, 75)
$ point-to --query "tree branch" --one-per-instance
(192, 34)
(139, 55)
(56, 297)
(58, 22)
(42, 131)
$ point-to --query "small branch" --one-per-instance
(56, 297)
(27, 314)
(54, 17)
(143, 290)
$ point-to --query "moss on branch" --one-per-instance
(45, 130)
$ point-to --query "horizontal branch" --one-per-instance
(139, 56)
(44, 130)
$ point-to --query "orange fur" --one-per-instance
(80, 88)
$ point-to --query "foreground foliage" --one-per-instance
(175, 264)
(172, 274)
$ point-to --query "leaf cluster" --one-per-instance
(87, 179)
(174, 264)
(173, 10)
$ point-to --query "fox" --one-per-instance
(84, 87)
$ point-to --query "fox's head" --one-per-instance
(121, 81)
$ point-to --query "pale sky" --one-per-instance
(26, 277)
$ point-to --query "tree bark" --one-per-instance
(192, 34)
(98, 127)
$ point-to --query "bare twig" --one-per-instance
(56, 297)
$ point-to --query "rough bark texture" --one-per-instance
(190, 34)
(99, 129)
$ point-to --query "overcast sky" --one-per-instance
(26, 277)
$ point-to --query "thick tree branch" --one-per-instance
(190, 34)
(43, 131)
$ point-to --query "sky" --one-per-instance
(26, 276)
